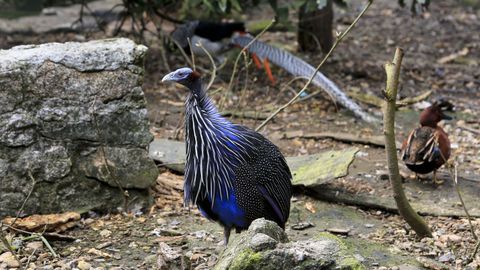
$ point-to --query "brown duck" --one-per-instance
(427, 147)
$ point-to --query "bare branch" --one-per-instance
(214, 66)
(404, 208)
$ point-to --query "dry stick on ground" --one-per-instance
(452, 170)
(339, 39)
(454, 176)
(474, 253)
(406, 211)
(7, 245)
(469, 129)
(36, 235)
(29, 172)
(2, 236)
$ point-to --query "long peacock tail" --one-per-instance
(298, 67)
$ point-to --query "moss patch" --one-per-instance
(246, 260)
(316, 169)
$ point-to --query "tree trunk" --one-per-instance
(315, 27)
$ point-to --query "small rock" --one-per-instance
(105, 233)
(10, 260)
(83, 265)
(35, 245)
(302, 226)
(150, 260)
(447, 257)
(200, 234)
(341, 231)
(261, 241)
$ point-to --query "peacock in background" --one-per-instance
(218, 38)
(233, 174)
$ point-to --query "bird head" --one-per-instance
(184, 76)
(436, 113)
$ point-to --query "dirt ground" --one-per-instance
(130, 241)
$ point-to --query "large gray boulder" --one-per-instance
(265, 246)
(73, 120)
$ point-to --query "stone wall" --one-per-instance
(67, 110)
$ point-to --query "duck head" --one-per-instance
(435, 113)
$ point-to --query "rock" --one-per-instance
(73, 115)
(314, 170)
(35, 245)
(83, 265)
(9, 260)
(262, 241)
(265, 246)
(447, 257)
(171, 258)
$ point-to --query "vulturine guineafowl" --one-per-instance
(233, 174)
(427, 147)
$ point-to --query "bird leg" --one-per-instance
(226, 235)
(435, 179)
(256, 60)
(266, 64)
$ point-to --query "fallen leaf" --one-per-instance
(45, 223)
(310, 207)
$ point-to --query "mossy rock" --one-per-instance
(248, 252)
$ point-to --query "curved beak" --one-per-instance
(169, 77)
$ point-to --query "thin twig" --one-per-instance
(30, 257)
(7, 245)
(235, 65)
(475, 251)
(29, 172)
(337, 41)
(182, 51)
(469, 129)
(452, 170)
(192, 54)
(457, 188)
(214, 66)
(48, 246)
(33, 234)
(243, 93)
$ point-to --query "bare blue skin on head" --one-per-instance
(178, 75)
